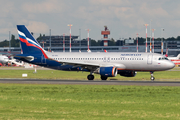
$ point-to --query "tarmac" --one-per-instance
(93, 82)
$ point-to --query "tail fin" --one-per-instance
(178, 56)
(28, 43)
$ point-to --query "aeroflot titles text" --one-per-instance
(130, 54)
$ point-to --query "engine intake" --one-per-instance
(107, 71)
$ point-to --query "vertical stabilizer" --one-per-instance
(28, 44)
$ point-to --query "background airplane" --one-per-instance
(3, 59)
(106, 64)
(175, 60)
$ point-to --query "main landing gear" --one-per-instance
(103, 77)
(90, 77)
(152, 77)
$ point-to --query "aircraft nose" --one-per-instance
(171, 65)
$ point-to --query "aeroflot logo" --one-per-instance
(130, 54)
(30, 42)
(23, 38)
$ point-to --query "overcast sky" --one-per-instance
(124, 18)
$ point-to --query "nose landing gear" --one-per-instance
(152, 77)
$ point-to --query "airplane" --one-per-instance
(15, 62)
(106, 64)
(175, 60)
(4, 59)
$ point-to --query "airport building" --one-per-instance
(173, 47)
(57, 41)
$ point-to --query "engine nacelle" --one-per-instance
(127, 73)
(107, 71)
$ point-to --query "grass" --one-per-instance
(22, 101)
(56, 74)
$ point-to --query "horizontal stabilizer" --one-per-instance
(28, 58)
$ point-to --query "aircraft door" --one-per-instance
(149, 59)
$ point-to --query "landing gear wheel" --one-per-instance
(104, 78)
(90, 77)
(152, 78)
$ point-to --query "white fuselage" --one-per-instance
(121, 60)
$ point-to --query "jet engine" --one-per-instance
(127, 73)
(107, 71)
